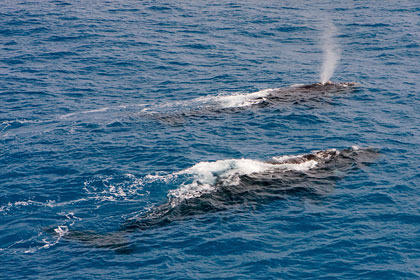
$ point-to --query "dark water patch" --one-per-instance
(69, 18)
(159, 8)
(293, 28)
(56, 170)
(11, 43)
(61, 3)
(57, 54)
(124, 10)
(56, 38)
(412, 46)
(380, 24)
(198, 46)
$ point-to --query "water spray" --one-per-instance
(331, 52)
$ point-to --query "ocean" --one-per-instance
(179, 139)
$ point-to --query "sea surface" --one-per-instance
(109, 109)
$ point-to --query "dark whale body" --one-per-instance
(306, 93)
(277, 182)
(309, 95)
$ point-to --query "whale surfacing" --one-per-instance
(330, 85)
(226, 184)
(310, 93)
(212, 106)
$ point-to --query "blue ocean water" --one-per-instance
(108, 107)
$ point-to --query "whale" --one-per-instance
(300, 94)
(234, 184)
(306, 93)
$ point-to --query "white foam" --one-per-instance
(165, 178)
(104, 109)
(50, 203)
(22, 203)
(60, 232)
(320, 154)
(227, 172)
(208, 172)
(237, 100)
(113, 189)
(189, 191)
(5, 124)
(296, 85)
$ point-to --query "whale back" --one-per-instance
(274, 183)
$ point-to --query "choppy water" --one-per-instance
(109, 109)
